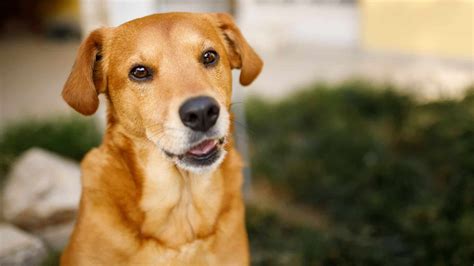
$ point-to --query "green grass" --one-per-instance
(69, 136)
(394, 177)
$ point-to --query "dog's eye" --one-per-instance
(140, 73)
(210, 57)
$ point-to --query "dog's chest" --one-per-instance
(179, 208)
(195, 253)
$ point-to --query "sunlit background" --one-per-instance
(358, 135)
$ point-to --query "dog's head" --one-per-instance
(168, 79)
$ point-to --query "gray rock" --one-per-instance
(41, 190)
(56, 236)
(19, 248)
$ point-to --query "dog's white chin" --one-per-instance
(201, 169)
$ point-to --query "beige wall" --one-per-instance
(433, 27)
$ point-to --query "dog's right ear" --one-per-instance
(87, 77)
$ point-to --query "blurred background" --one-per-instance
(358, 135)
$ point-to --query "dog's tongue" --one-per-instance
(203, 148)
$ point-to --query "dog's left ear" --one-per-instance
(87, 77)
(241, 55)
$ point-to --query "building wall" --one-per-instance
(432, 27)
(272, 25)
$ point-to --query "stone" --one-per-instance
(56, 236)
(20, 248)
(42, 190)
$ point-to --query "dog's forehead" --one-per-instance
(169, 27)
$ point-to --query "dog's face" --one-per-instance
(168, 79)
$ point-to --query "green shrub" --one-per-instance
(52, 259)
(274, 242)
(69, 136)
(395, 176)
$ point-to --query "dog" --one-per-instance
(164, 187)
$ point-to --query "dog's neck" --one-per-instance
(176, 206)
(174, 200)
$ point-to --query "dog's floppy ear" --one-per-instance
(87, 78)
(240, 54)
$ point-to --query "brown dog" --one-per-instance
(164, 186)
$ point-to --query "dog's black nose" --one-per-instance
(199, 113)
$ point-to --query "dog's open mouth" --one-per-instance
(203, 150)
(203, 154)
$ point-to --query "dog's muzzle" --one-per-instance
(200, 115)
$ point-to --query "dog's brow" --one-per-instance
(141, 59)
(207, 44)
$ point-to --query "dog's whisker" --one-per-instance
(163, 128)
(242, 125)
(158, 134)
(236, 104)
